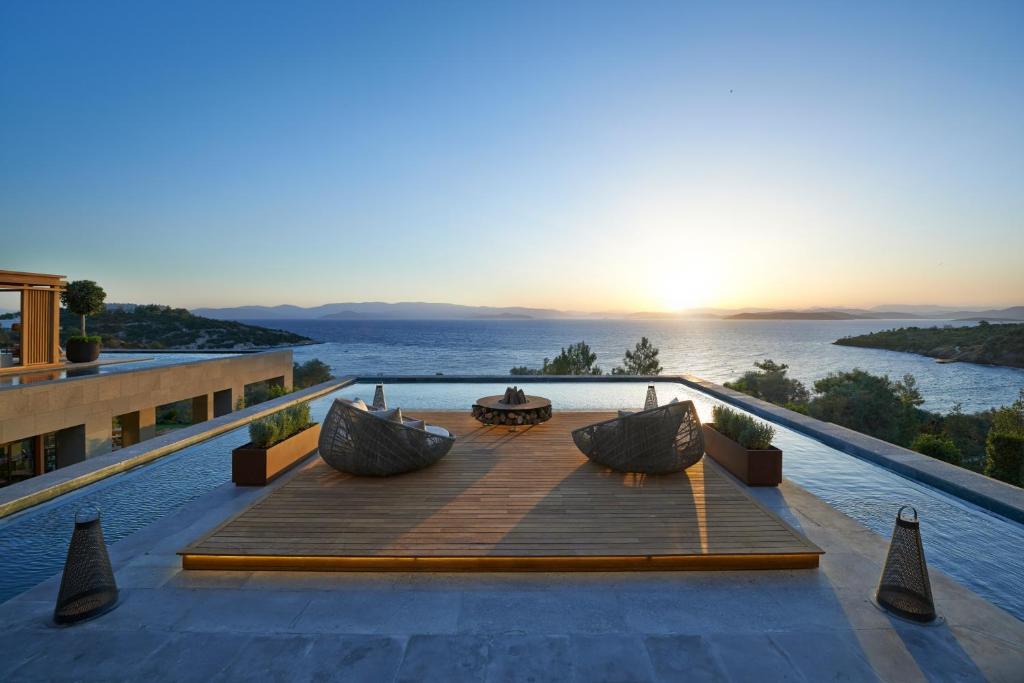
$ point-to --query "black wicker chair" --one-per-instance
(356, 442)
(656, 441)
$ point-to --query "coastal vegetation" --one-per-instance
(999, 344)
(743, 429)
(153, 327)
(642, 360)
(578, 359)
(990, 441)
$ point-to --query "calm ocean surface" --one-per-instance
(717, 350)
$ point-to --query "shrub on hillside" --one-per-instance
(770, 383)
(937, 446)
(311, 372)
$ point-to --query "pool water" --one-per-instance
(981, 550)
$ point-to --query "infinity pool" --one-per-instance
(981, 550)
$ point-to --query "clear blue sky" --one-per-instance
(596, 156)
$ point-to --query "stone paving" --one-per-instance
(806, 625)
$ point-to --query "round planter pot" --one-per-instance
(79, 351)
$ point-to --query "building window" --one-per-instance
(49, 452)
(17, 461)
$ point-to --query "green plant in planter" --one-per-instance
(272, 429)
(743, 429)
(83, 297)
(86, 339)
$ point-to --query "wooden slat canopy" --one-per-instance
(40, 317)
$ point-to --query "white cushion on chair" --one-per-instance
(414, 423)
(439, 431)
(394, 415)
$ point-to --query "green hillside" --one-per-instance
(984, 343)
(162, 327)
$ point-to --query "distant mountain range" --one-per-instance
(418, 310)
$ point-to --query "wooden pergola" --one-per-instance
(39, 328)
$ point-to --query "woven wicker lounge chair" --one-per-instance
(355, 441)
(656, 441)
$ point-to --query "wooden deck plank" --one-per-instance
(524, 500)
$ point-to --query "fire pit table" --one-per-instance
(513, 408)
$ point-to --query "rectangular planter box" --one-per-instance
(752, 467)
(251, 466)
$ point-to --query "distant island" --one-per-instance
(152, 327)
(988, 344)
(421, 310)
(796, 315)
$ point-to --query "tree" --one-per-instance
(643, 360)
(575, 360)
(769, 382)
(83, 297)
(1005, 444)
(311, 372)
(870, 404)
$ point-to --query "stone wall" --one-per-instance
(81, 409)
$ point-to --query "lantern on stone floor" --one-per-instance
(87, 587)
(904, 588)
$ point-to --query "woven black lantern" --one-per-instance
(379, 402)
(904, 588)
(87, 588)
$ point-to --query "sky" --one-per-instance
(590, 156)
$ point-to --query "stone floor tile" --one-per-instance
(529, 659)
(243, 611)
(376, 612)
(445, 659)
(826, 656)
(614, 658)
(192, 657)
(209, 579)
(71, 654)
(541, 613)
(143, 609)
(315, 658)
(888, 656)
(1000, 661)
(683, 658)
(751, 657)
(938, 652)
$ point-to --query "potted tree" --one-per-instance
(83, 297)
(743, 446)
(276, 442)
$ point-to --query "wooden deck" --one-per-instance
(501, 500)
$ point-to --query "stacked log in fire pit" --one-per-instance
(513, 408)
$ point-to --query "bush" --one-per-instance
(1005, 459)
(937, 446)
(743, 429)
(311, 372)
(523, 370)
(272, 429)
(770, 383)
(870, 404)
(575, 360)
(87, 338)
